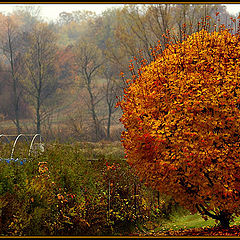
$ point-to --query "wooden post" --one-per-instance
(109, 199)
(0, 220)
(135, 200)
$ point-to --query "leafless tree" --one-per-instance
(111, 91)
(39, 76)
(10, 38)
(88, 62)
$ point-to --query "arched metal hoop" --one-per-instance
(29, 138)
(15, 142)
(2, 135)
(33, 139)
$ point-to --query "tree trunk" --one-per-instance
(224, 219)
(17, 119)
(38, 116)
(94, 115)
(109, 124)
(39, 88)
(14, 81)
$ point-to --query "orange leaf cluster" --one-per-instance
(182, 121)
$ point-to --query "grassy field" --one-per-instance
(184, 222)
(192, 221)
(84, 189)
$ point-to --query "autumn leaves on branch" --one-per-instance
(181, 115)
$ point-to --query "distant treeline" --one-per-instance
(62, 78)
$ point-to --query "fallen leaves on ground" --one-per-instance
(206, 231)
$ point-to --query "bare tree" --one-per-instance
(10, 46)
(39, 77)
(88, 61)
(111, 90)
(28, 16)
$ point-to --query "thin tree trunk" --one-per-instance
(38, 116)
(16, 100)
(94, 115)
(109, 123)
(39, 88)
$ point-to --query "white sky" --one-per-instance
(233, 8)
(51, 11)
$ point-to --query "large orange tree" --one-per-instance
(181, 115)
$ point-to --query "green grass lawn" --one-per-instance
(189, 221)
(185, 222)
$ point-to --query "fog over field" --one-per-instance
(70, 90)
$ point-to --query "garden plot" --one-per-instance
(12, 149)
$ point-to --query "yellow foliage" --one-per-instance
(182, 121)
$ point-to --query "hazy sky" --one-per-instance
(233, 8)
(51, 11)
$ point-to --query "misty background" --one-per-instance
(61, 64)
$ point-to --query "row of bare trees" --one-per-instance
(70, 69)
(35, 77)
(30, 58)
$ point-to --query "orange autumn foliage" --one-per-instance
(182, 123)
